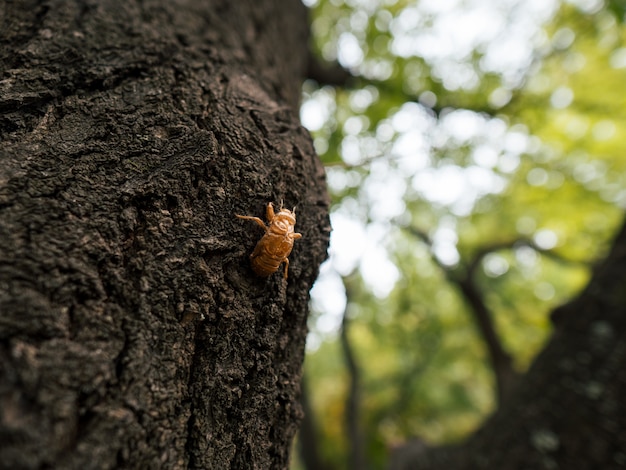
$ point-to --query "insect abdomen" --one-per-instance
(269, 254)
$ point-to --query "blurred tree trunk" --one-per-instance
(133, 333)
(356, 444)
(569, 410)
(308, 435)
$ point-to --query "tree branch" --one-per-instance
(327, 73)
(500, 359)
(516, 243)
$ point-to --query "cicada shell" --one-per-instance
(275, 246)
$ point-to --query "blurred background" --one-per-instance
(476, 160)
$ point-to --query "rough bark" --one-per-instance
(133, 333)
(569, 410)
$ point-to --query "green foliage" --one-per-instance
(512, 172)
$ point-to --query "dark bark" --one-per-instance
(133, 333)
(569, 410)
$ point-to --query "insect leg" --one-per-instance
(286, 267)
(269, 212)
(255, 219)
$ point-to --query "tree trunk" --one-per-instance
(569, 411)
(133, 333)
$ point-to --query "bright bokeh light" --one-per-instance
(546, 239)
(328, 299)
(348, 242)
(460, 28)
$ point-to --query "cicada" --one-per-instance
(275, 246)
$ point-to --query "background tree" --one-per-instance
(133, 333)
(477, 171)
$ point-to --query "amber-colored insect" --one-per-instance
(275, 246)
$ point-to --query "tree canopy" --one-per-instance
(476, 165)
